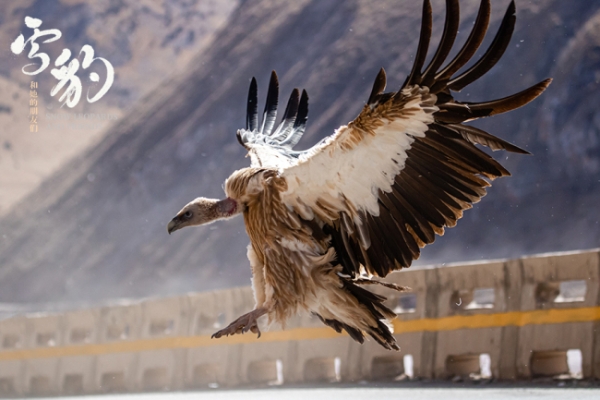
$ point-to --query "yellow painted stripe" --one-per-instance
(515, 318)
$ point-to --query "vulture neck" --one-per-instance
(226, 208)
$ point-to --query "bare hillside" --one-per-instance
(97, 228)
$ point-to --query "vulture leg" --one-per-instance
(245, 323)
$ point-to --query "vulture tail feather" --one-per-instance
(382, 332)
(338, 326)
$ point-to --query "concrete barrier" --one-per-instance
(471, 290)
(159, 370)
(560, 281)
(12, 374)
(209, 367)
(41, 376)
(409, 306)
(13, 336)
(514, 319)
(116, 372)
(76, 374)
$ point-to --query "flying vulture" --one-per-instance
(362, 202)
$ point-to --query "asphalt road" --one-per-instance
(368, 393)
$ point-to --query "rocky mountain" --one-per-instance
(96, 229)
(145, 41)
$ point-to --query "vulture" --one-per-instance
(361, 203)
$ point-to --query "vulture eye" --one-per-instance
(187, 214)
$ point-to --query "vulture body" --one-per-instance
(365, 200)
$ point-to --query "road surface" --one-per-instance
(355, 393)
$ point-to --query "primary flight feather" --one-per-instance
(363, 201)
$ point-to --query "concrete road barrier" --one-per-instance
(537, 316)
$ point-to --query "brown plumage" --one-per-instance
(364, 201)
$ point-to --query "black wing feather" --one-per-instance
(289, 117)
(252, 108)
(492, 55)
(446, 43)
(471, 45)
(424, 38)
(378, 87)
(270, 113)
(289, 131)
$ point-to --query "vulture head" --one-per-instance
(202, 211)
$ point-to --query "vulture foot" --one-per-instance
(245, 323)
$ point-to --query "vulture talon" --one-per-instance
(245, 323)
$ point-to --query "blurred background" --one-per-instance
(84, 204)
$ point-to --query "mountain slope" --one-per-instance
(97, 228)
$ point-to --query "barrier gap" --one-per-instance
(388, 368)
(558, 364)
(473, 299)
(205, 322)
(571, 291)
(221, 320)
(81, 335)
(46, 339)
(39, 385)
(161, 327)
(264, 372)
(155, 379)
(11, 341)
(463, 366)
(406, 303)
(112, 382)
(549, 363)
(204, 375)
(115, 332)
(7, 386)
(323, 369)
(73, 384)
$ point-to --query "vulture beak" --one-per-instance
(173, 225)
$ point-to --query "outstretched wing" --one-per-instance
(268, 146)
(407, 167)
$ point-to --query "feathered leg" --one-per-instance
(343, 305)
(249, 321)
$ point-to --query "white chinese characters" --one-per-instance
(65, 73)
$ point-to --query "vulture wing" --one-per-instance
(271, 147)
(407, 167)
